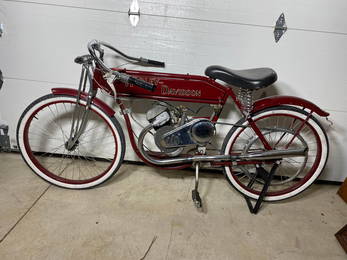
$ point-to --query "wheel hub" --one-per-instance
(73, 147)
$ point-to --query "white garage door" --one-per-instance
(42, 38)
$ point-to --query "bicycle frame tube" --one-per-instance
(171, 87)
(134, 144)
(185, 88)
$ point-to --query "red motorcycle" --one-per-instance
(72, 139)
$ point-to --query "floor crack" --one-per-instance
(169, 244)
(26, 212)
(149, 248)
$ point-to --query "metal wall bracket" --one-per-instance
(1, 29)
(4, 139)
(134, 13)
(280, 27)
(1, 79)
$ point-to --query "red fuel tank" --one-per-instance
(174, 87)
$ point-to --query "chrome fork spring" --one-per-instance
(245, 96)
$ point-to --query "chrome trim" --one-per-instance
(274, 154)
(267, 155)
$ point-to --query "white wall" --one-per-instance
(42, 38)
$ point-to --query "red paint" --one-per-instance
(287, 100)
(73, 92)
(302, 180)
(298, 131)
(259, 133)
(46, 171)
(184, 88)
(169, 87)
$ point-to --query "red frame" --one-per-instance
(169, 87)
(183, 88)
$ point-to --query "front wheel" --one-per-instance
(43, 132)
(283, 127)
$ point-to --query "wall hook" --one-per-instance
(134, 13)
(1, 79)
(280, 27)
(1, 29)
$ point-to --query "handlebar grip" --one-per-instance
(142, 84)
(83, 59)
(156, 63)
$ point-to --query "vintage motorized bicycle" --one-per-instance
(72, 139)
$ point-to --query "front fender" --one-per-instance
(73, 92)
(287, 100)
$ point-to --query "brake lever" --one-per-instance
(110, 78)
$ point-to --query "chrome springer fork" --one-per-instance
(80, 118)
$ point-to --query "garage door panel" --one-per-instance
(41, 41)
(46, 52)
(307, 15)
(24, 92)
(337, 133)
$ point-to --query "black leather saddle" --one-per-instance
(251, 79)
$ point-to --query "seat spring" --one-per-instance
(245, 96)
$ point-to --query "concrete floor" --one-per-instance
(120, 219)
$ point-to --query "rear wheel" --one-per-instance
(284, 128)
(42, 135)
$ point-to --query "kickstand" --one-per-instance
(267, 178)
(195, 193)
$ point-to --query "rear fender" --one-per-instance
(73, 92)
(287, 100)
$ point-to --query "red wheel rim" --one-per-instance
(47, 172)
(302, 180)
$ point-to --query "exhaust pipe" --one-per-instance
(267, 155)
(263, 155)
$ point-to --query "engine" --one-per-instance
(174, 130)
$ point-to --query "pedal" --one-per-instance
(196, 199)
